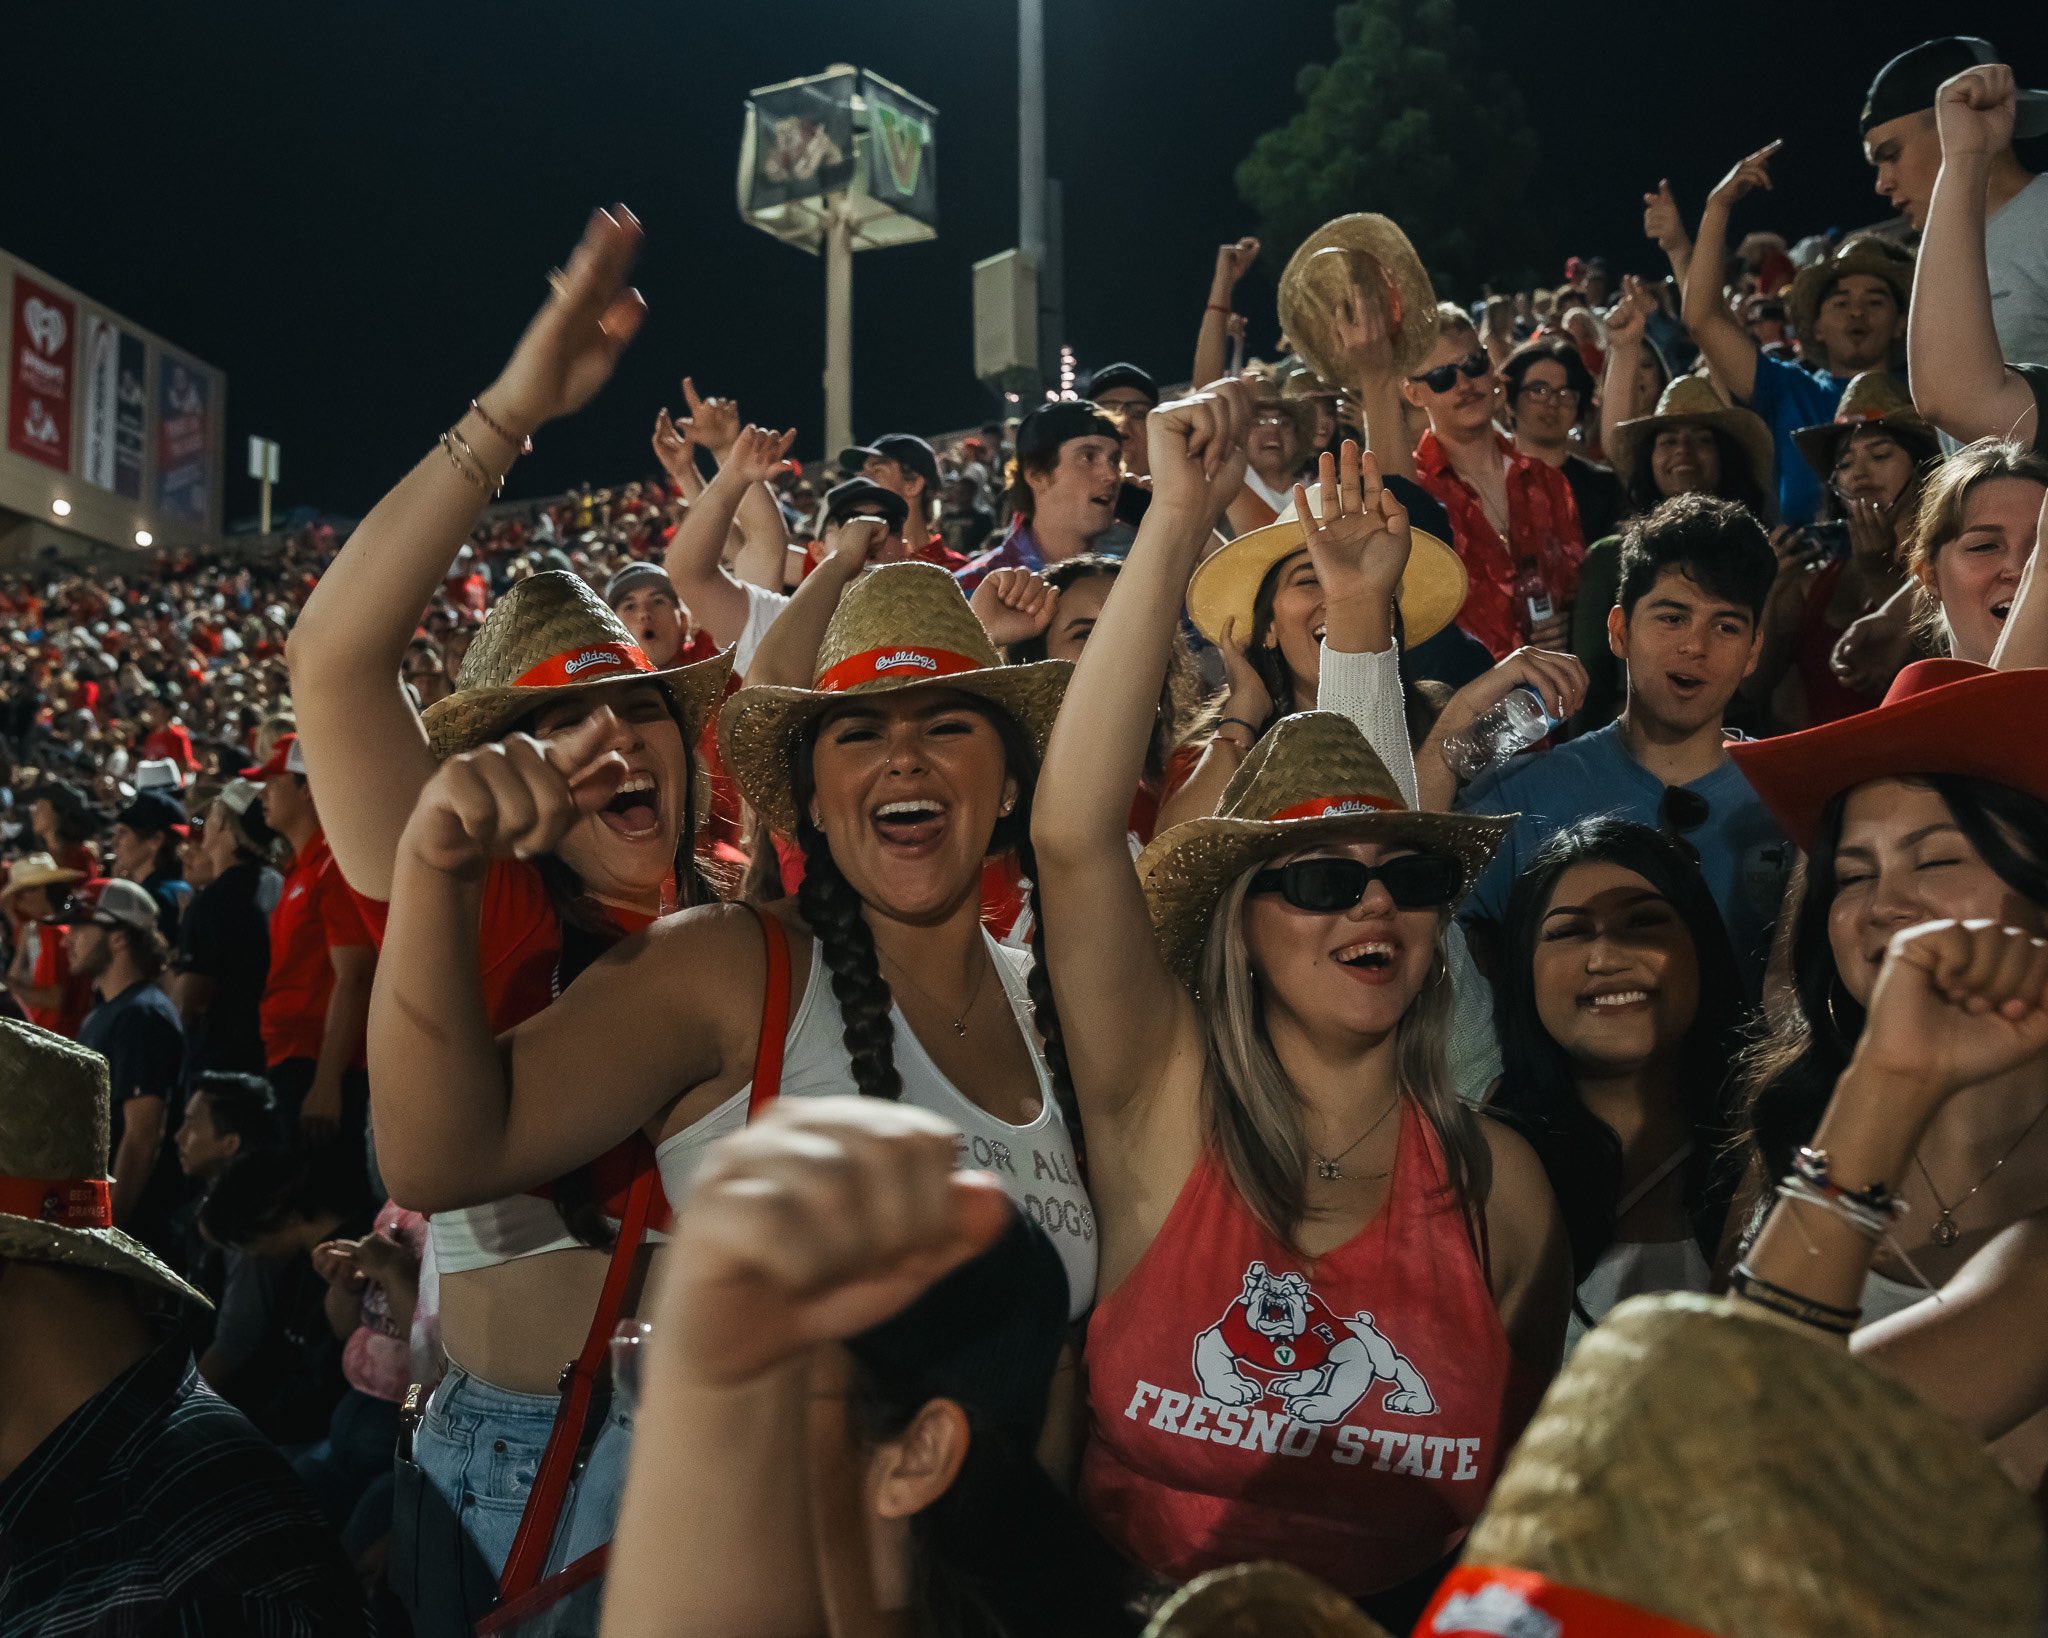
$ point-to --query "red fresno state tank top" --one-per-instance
(1345, 1414)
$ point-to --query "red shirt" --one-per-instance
(519, 943)
(171, 741)
(52, 970)
(1543, 523)
(1346, 1415)
(314, 914)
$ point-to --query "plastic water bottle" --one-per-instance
(1510, 728)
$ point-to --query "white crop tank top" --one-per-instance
(1035, 1162)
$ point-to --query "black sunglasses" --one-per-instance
(1415, 881)
(1440, 379)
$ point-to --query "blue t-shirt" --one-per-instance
(1743, 854)
(1788, 398)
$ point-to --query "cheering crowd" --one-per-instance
(960, 1046)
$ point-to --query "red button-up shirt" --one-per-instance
(1543, 523)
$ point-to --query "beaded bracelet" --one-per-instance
(1814, 1166)
(1822, 1316)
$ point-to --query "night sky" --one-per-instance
(354, 216)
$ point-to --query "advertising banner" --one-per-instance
(116, 407)
(803, 141)
(184, 464)
(902, 167)
(39, 374)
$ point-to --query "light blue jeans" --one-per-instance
(480, 1447)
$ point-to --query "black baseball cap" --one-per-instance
(1061, 421)
(1111, 376)
(987, 1336)
(634, 577)
(863, 497)
(906, 449)
(1908, 83)
(153, 814)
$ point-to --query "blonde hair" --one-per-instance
(1254, 1111)
(1451, 319)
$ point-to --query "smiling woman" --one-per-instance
(1978, 523)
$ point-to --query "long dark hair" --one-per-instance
(587, 932)
(1737, 482)
(1539, 1094)
(832, 910)
(1004, 1553)
(1187, 706)
(1789, 1075)
(1419, 710)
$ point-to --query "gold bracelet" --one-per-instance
(451, 440)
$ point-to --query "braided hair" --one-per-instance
(833, 911)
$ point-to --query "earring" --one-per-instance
(1835, 1021)
(1004, 811)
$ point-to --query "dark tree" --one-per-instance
(1410, 122)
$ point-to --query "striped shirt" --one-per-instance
(155, 1508)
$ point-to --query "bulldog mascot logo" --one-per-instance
(1280, 1338)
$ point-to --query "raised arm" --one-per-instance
(764, 535)
(1663, 224)
(1619, 397)
(1957, 1004)
(1957, 369)
(1731, 351)
(696, 550)
(364, 746)
(1212, 341)
(1360, 332)
(2024, 641)
(1119, 1006)
(824, 1218)
(788, 654)
(462, 1118)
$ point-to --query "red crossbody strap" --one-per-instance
(551, 1484)
(543, 1511)
(774, 1018)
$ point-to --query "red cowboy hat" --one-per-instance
(1938, 717)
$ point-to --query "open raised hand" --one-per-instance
(1360, 544)
(756, 455)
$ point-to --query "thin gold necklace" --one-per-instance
(1327, 1167)
(959, 1019)
(1946, 1231)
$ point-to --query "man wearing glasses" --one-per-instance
(1695, 575)
(1513, 518)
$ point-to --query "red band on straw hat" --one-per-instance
(1486, 1599)
(590, 660)
(66, 1202)
(883, 662)
(1331, 807)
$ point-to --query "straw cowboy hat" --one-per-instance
(1260, 1601)
(1226, 586)
(1838, 1503)
(1938, 717)
(548, 637)
(1859, 253)
(1871, 399)
(37, 870)
(1311, 780)
(1373, 253)
(900, 627)
(1689, 401)
(56, 1200)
